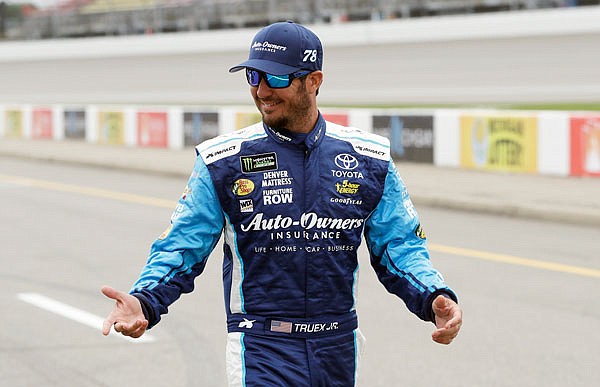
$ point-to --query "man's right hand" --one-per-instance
(126, 317)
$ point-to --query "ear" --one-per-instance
(314, 80)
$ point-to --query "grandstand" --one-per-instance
(79, 18)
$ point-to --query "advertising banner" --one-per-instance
(152, 129)
(337, 118)
(41, 123)
(74, 121)
(411, 137)
(13, 123)
(585, 146)
(199, 127)
(499, 143)
(243, 119)
(111, 127)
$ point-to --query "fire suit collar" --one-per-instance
(310, 140)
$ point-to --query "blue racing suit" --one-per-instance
(293, 209)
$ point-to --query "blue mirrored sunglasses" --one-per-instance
(273, 81)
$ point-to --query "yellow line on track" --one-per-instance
(512, 260)
(157, 202)
(88, 191)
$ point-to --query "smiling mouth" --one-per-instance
(269, 105)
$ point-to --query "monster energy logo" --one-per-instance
(259, 163)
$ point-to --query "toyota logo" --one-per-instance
(346, 161)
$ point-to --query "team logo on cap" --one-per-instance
(266, 46)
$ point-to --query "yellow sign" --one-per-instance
(111, 128)
(13, 123)
(499, 143)
(246, 119)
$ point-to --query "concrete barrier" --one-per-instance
(540, 142)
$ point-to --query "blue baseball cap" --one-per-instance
(284, 48)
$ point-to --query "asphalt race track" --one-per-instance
(65, 231)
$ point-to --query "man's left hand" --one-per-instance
(448, 319)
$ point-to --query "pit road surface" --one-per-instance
(529, 292)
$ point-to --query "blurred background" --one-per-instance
(79, 18)
(492, 109)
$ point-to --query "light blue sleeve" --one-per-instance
(398, 249)
(179, 255)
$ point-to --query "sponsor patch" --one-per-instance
(259, 163)
(246, 205)
(186, 192)
(420, 232)
(242, 187)
(178, 211)
(278, 196)
(410, 208)
(347, 188)
(346, 161)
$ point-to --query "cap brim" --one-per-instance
(266, 66)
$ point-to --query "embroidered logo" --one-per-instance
(248, 324)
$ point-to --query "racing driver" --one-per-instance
(292, 196)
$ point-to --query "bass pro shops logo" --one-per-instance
(242, 187)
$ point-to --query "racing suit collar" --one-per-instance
(310, 139)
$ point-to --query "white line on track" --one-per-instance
(74, 314)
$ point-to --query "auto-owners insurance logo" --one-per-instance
(346, 161)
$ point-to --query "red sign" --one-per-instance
(153, 129)
(41, 123)
(585, 146)
(336, 118)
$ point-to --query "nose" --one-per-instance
(263, 90)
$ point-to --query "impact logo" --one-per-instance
(346, 161)
(242, 187)
(219, 152)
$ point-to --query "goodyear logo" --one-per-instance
(242, 187)
(346, 187)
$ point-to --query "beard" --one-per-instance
(298, 111)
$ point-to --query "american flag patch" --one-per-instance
(281, 326)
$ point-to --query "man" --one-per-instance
(292, 195)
